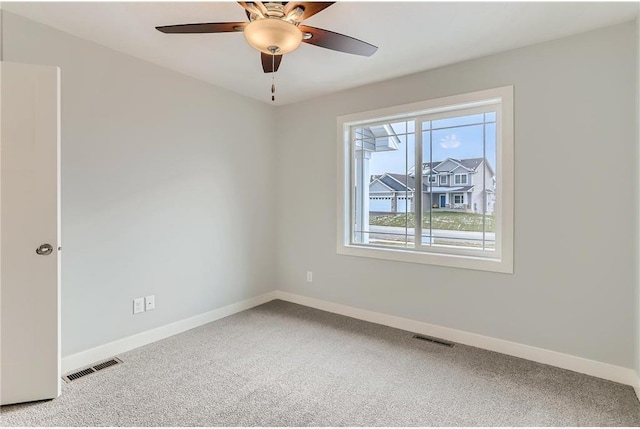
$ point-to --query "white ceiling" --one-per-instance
(411, 36)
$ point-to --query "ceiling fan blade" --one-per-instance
(254, 7)
(268, 62)
(337, 42)
(310, 7)
(205, 27)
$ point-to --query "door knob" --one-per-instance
(44, 249)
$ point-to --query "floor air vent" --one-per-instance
(95, 368)
(78, 374)
(434, 340)
(106, 364)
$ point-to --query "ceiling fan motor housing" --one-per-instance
(269, 33)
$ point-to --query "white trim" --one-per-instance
(637, 238)
(561, 360)
(472, 259)
(429, 107)
(500, 259)
(453, 113)
(58, 248)
(458, 194)
(461, 175)
(574, 363)
(87, 357)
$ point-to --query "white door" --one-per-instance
(29, 233)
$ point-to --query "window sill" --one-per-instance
(429, 258)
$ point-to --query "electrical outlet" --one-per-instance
(138, 305)
(310, 276)
(149, 302)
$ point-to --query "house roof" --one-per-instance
(468, 163)
(402, 182)
(398, 182)
(377, 178)
(444, 189)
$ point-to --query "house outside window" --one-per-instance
(391, 204)
(460, 179)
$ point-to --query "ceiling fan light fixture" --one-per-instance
(269, 32)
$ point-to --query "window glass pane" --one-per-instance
(399, 127)
(384, 191)
(456, 218)
(410, 197)
(354, 208)
(458, 193)
(431, 181)
(458, 120)
(382, 238)
(455, 239)
(490, 188)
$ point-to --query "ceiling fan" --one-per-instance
(275, 28)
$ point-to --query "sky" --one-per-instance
(463, 141)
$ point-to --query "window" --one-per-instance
(395, 153)
(460, 179)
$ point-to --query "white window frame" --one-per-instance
(443, 182)
(500, 260)
(461, 175)
(461, 198)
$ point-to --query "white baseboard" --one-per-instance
(87, 357)
(574, 363)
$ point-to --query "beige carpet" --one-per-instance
(282, 364)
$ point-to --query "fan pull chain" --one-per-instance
(273, 79)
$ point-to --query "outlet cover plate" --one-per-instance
(138, 305)
(149, 302)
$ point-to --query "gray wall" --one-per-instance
(575, 261)
(156, 198)
(637, 214)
